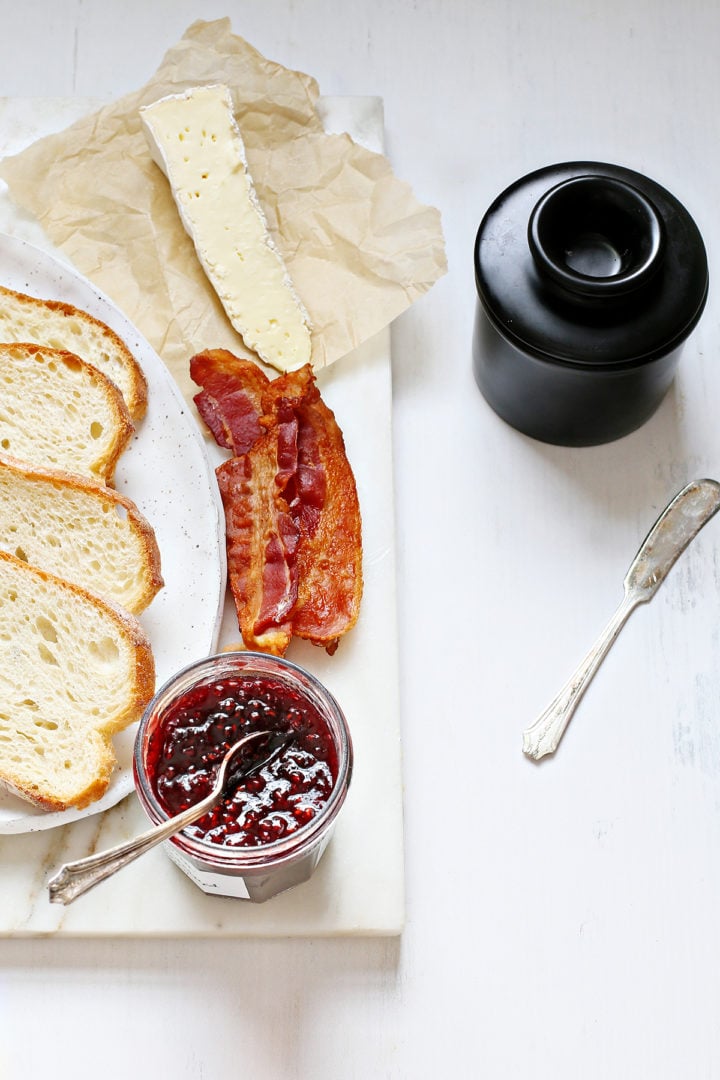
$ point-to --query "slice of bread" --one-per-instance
(62, 326)
(59, 412)
(80, 530)
(74, 669)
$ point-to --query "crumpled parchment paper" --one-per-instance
(359, 247)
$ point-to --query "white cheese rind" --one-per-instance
(194, 139)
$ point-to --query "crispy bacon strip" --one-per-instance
(230, 401)
(322, 501)
(261, 547)
(293, 521)
(327, 513)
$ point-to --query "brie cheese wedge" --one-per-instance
(194, 139)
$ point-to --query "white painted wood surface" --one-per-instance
(562, 917)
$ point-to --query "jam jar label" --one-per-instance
(220, 884)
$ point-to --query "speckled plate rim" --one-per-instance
(166, 471)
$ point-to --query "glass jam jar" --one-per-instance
(271, 833)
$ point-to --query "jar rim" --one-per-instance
(596, 236)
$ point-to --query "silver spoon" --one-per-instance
(678, 524)
(75, 878)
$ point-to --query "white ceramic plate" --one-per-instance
(166, 472)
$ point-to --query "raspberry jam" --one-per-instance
(197, 731)
(269, 834)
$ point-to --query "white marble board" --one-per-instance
(359, 886)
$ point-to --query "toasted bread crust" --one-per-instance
(143, 531)
(90, 794)
(87, 375)
(29, 309)
(131, 639)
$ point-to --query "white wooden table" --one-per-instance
(562, 917)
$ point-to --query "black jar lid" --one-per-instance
(590, 264)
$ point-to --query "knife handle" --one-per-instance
(543, 736)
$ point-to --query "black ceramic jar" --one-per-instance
(589, 278)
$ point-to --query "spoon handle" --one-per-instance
(542, 736)
(75, 878)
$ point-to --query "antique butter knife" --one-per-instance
(678, 524)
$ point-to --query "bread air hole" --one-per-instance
(20, 554)
(105, 650)
(46, 656)
(96, 429)
(47, 725)
(46, 628)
